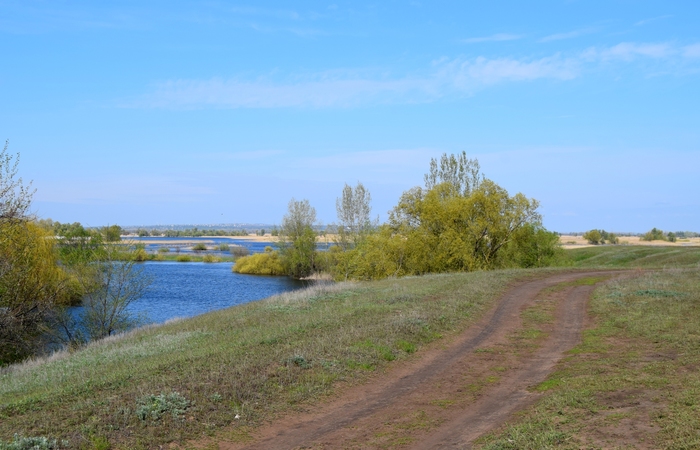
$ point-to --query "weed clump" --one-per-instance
(32, 443)
(155, 406)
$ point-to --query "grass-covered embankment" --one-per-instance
(633, 382)
(255, 360)
(632, 256)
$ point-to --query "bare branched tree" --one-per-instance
(112, 283)
(354, 214)
(463, 173)
(15, 197)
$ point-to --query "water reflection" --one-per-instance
(189, 289)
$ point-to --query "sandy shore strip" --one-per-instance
(568, 241)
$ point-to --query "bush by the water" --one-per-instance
(268, 263)
(238, 251)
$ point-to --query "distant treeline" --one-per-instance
(113, 232)
(678, 234)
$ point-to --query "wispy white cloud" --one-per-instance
(445, 78)
(499, 37)
(318, 92)
(628, 51)
(470, 74)
(652, 19)
(568, 35)
(460, 76)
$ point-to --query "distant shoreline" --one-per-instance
(569, 241)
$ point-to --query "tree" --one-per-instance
(15, 197)
(111, 233)
(654, 235)
(32, 284)
(112, 283)
(30, 280)
(593, 237)
(297, 239)
(354, 215)
(462, 173)
(534, 246)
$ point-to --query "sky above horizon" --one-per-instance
(154, 112)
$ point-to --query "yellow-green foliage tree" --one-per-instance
(31, 285)
(297, 239)
(459, 222)
(31, 282)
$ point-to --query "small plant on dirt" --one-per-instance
(299, 361)
(32, 443)
(155, 406)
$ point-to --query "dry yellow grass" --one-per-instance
(568, 241)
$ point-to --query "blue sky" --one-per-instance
(155, 112)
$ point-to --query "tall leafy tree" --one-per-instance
(297, 238)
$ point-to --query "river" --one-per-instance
(186, 289)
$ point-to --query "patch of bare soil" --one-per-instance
(450, 395)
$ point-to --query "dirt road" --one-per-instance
(451, 395)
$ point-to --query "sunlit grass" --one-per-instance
(637, 368)
(254, 360)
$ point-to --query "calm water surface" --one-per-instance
(188, 289)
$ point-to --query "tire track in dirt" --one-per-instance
(353, 418)
(511, 395)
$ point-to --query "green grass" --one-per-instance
(255, 360)
(632, 256)
(638, 368)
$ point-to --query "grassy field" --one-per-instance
(635, 380)
(182, 379)
(256, 361)
(631, 257)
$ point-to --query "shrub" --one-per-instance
(238, 251)
(183, 258)
(141, 255)
(654, 235)
(163, 250)
(154, 406)
(200, 247)
(211, 259)
(593, 237)
(268, 263)
(223, 247)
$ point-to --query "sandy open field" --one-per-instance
(568, 241)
